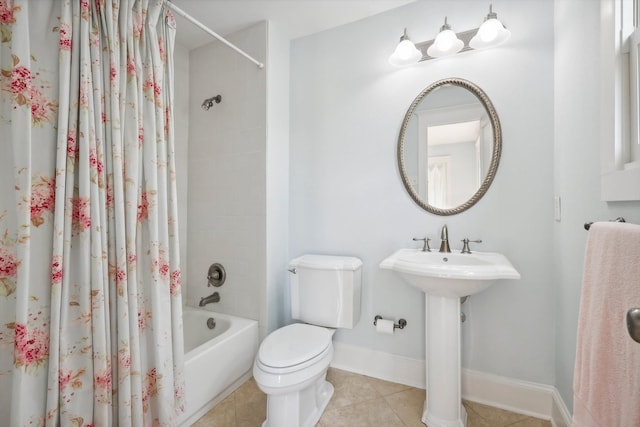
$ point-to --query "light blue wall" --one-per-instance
(576, 168)
(346, 195)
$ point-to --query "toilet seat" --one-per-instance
(294, 347)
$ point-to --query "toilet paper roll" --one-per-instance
(384, 326)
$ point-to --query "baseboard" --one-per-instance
(560, 415)
(378, 364)
(523, 397)
(532, 399)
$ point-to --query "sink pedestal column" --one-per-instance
(443, 406)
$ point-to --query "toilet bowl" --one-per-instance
(291, 368)
(292, 362)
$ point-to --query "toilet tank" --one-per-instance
(325, 290)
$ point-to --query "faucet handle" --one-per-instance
(216, 275)
(425, 246)
(465, 246)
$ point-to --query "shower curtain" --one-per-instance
(90, 301)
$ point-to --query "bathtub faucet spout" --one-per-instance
(214, 297)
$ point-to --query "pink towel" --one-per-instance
(606, 383)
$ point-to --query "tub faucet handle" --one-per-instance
(216, 275)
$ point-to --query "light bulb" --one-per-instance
(489, 30)
(491, 33)
(445, 40)
(446, 43)
(406, 53)
(405, 50)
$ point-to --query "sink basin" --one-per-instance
(450, 274)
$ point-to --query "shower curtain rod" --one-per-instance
(206, 29)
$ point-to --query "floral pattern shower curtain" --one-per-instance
(28, 115)
(90, 304)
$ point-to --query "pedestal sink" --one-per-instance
(445, 278)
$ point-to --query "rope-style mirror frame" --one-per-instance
(495, 156)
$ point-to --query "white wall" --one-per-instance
(277, 311)
(238, 169)
(576, 168)
(227, 167)
(346, 196)
(181, 134)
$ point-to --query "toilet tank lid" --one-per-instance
(326, 262)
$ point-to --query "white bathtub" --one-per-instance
(215, 359)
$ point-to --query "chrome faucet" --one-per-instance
(214, 297)
(444, 237)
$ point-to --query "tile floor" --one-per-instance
(358, 401)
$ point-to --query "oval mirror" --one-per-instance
(449, 146)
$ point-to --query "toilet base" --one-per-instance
(299, 409)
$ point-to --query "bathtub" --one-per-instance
(216, 360)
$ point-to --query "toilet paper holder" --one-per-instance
(400, 325)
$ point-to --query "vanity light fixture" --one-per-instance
(405, 53)
(446, 42)
(490, 34)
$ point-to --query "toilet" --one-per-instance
(292, 362)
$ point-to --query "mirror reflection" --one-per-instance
(449, 146)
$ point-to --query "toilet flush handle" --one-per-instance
(293, 270)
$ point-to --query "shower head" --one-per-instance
(208, 103)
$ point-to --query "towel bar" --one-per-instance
(587, 225)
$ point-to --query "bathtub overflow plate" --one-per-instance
(211, 323)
